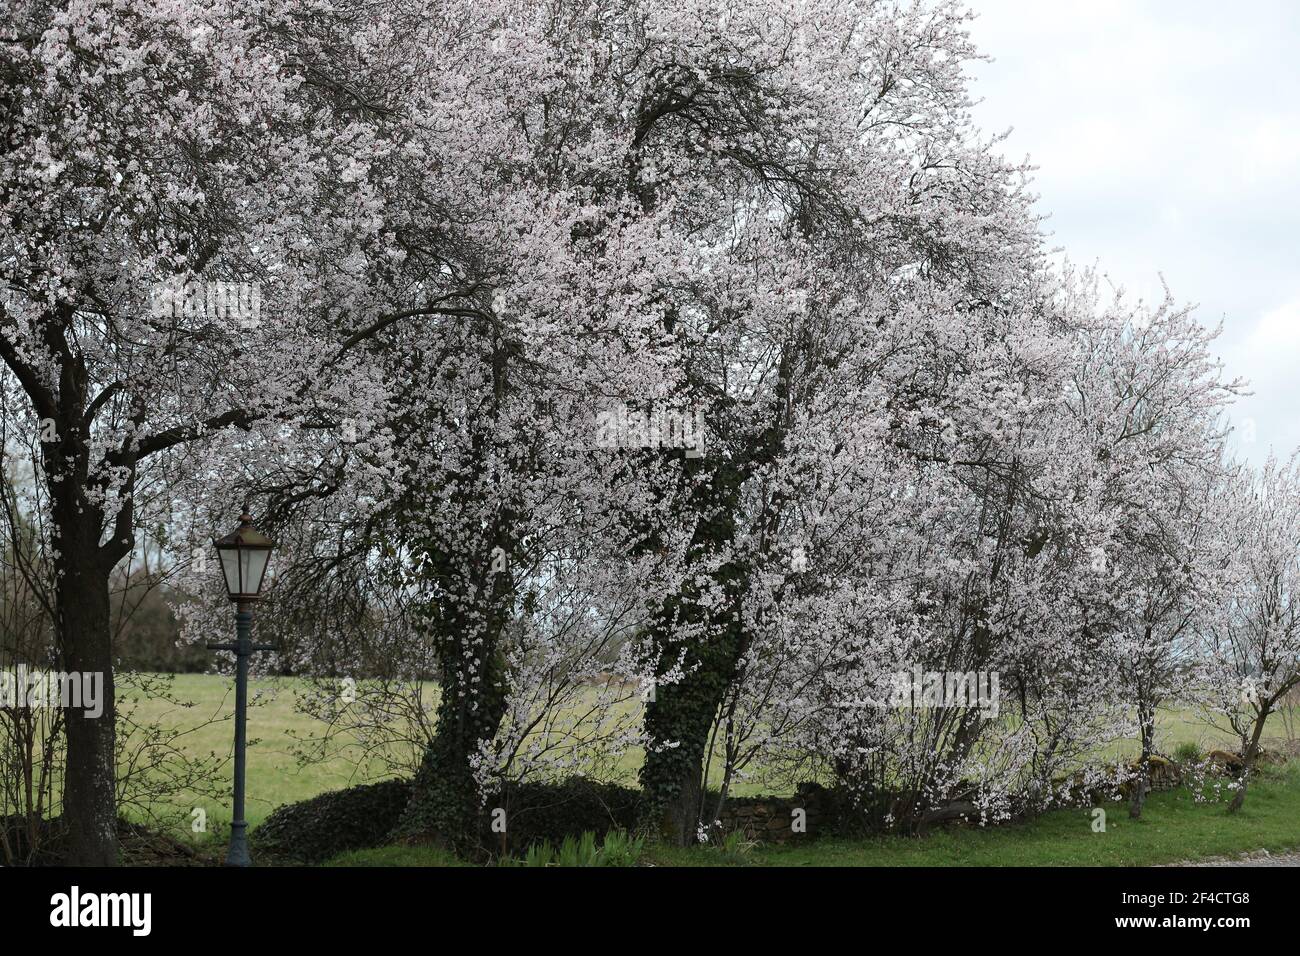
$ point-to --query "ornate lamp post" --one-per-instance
(244, 553)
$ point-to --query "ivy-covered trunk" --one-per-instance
(678, 722)
(446, 803)
(467, 621)
(467, 564)
(680, 716)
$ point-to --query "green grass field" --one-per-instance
(274, 774)
(1170, 831)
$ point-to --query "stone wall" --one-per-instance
(774, 819)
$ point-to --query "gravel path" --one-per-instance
(1255, 858)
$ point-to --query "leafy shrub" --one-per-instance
(315, 830)
(619, 849)
(622, 849)
(540, 854)
(1188, 752)
(580, 851)
(364, 817)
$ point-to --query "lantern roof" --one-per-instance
(245, 536)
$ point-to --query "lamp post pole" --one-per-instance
(244, 553)
(243, 649)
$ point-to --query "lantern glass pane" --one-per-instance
(253, 566)
(230, 568)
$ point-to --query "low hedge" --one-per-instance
(315, 830)
(365, 816)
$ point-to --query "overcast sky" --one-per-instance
(1167, 134)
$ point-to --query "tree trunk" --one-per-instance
(679, 718)
(1248, 760)
(467, 621)
(445, 803)
(85, 640)
(1142, 784)
(678, 723)
(672, 776)
(1139, 795)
